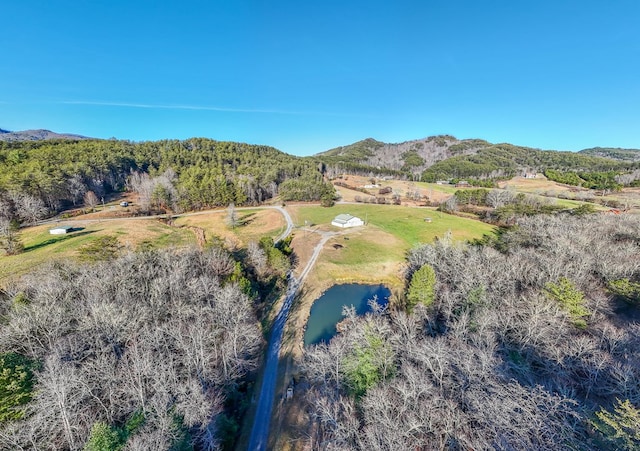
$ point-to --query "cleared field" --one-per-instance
(406, 224)
(41, 247)
(377, 251)
(254, 224)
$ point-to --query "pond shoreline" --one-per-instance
(326, 311)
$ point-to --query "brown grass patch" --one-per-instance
(256, 224)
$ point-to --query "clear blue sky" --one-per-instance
(306, 76)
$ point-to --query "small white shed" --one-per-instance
(345, 220)
(60, 230)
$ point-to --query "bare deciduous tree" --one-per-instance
(90, 199)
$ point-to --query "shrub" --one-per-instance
(570, 299)
(619, 429)
(422, 287)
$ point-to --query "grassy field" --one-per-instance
(377, 251)
(254, 224)
(41, 247)
(406, 224)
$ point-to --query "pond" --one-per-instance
(326, 311)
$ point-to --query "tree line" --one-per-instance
(526, 340)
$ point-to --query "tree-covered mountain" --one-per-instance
(445, 157)
(180, 175)
(507, 160)
(613, 152)
(411, 157)
(36, 135)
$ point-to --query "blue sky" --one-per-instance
(308, 76)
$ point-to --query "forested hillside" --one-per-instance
(529, 341)
(506, 160)
(615, 153)
(180, 175)
(151, 350)
(410, 157)
(447, 158)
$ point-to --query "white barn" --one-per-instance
(345, 221)
(60, 230)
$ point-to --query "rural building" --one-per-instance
(530, 175)
(463, 184)
(345, 221)
(60, 230)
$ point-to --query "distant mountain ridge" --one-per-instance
(410, 156)
(615, 153)
(36, 135)
(446, 157)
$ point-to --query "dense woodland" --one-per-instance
(150, 350)
(178, 175)
(528, 340)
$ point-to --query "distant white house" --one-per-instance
(60, 230)
(345, 221)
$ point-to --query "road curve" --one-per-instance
(287, 218)
(260, 430)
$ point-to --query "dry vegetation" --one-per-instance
(150, 350)
(40, 247)
(524, 343)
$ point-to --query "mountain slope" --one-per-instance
(191, 174)
(507, 160)
(615, 153)
(35, 135)
(445, 157)
(409, 156)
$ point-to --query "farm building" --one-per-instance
(345, 220)
(60, 230)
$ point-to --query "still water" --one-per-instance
(326, 311)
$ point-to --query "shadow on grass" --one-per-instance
(58, 240)
(246, 219)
